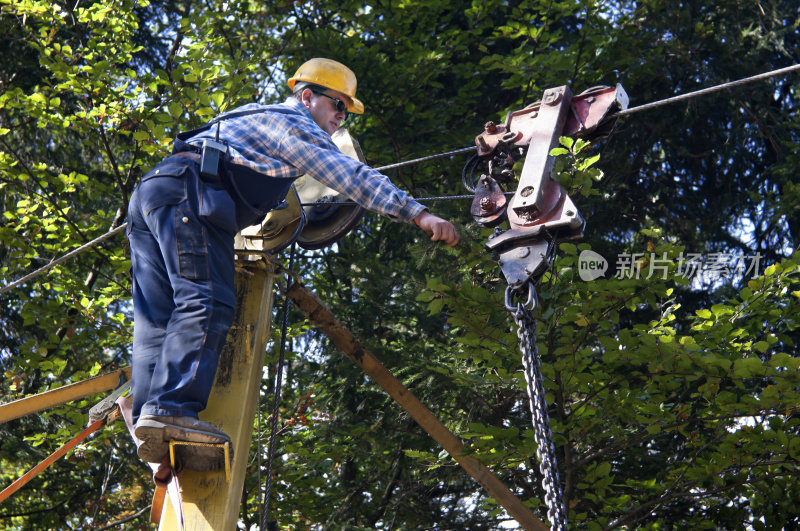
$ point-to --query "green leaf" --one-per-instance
(435, 306)
(747, 367)
(218, 98)
(761, 346)
(175, 110)
(705, 314)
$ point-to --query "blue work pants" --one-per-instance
(181, 229)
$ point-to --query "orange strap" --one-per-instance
(168, 488)
(35, 471)
(158, 504)
(164, 476)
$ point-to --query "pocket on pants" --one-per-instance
(164, 185)
(217, 207)
(192, 245)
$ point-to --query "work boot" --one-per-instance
(156, 431)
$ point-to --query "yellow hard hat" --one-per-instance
(330, 74)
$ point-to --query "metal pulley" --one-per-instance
(526, 261)
(489, 204)
(591, 115)
(540, 213)
(327, 219)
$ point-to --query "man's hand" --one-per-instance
(438, 228)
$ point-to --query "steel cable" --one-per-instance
(429, 157)
(709, 90)
(64, 258)
(429, 199)
(277, 392)
(625, 112)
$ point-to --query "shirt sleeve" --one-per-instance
(319, 157)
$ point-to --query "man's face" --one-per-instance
(323, 109)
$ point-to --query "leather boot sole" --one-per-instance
(155, 436)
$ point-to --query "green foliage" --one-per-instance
(714, 393)
(576, 172)
(673, 401)
(84, 110)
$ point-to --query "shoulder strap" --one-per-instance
(186, 135)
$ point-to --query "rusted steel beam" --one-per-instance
(320, 316)
(62, 395)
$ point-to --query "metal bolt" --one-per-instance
(528, 190)
(486, 204)
(570, 212)
(552, 98)
(490, 127)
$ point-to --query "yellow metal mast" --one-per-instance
(209, 501)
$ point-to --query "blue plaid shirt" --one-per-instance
(285, 142)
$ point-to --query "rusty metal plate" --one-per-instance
(489, 204)
(591, 115)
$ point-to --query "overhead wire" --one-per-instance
(619, 114)
(64, 258)
(708, 90)
(427, 158)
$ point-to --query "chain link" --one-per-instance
(545, 450)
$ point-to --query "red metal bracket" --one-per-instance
(540, 212)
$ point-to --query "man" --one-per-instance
(182, 220)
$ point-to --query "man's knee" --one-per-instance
(221, 321)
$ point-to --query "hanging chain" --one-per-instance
(545, 450)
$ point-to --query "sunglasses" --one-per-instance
(340, 105)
